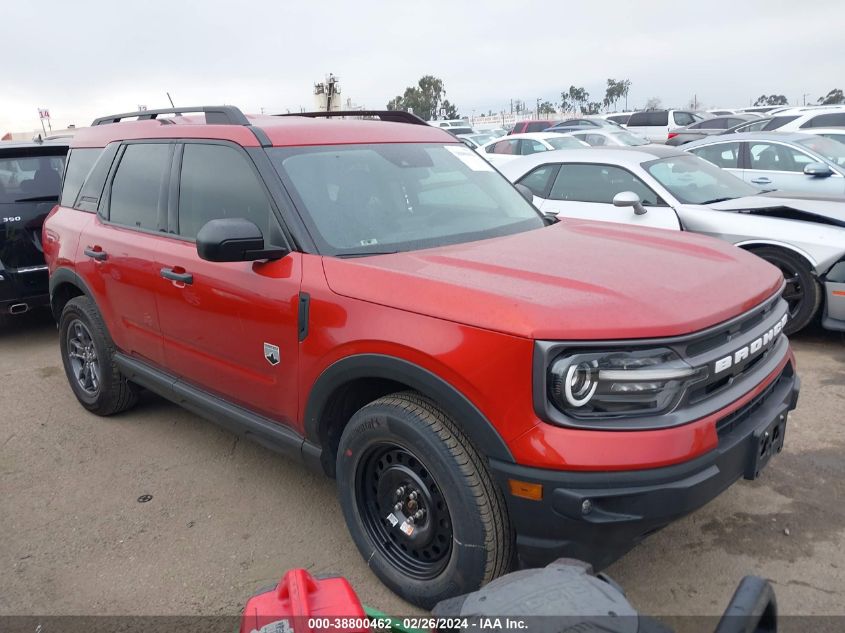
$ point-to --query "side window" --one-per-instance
(530, 146)
(834, 119)
(599, 183)
(724, 155)
(139, 188)
(596, 139)
(538, 179)
(79, 163)
(774, 157)
(218, 182)
(683, 118)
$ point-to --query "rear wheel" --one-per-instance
(419, 502)
(802, 292)
(87, 352)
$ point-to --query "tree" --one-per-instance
(592, 107)
(616, 90)
(426, 99)
(772, 100)
(574, 99)
(653, 104)
(833, 97)
(547, 107)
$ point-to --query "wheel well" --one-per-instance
(343, 402)
(751, 248)
(61, 294)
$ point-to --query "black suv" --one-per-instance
(30, 181)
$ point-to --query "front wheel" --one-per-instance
(802, 292)
(419, 502)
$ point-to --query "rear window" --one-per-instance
(79, 163)
(777, 122)
(538, 126)
(31, 175)
(652, 118)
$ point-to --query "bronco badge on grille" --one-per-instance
(751, 350)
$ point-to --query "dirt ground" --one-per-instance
(228, 517)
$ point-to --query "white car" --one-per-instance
(803, 119)
(664, 187)
(503, 150)
(655, 125)
(605, 137)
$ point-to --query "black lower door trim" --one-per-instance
(267, 432)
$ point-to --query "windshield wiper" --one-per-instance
(366, 253)
(38, 199)
(715, 200)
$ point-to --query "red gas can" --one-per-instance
(304, 604)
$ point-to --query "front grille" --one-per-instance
(730, 422)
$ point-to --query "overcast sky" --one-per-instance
(85, 58)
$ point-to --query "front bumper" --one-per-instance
(598, 516)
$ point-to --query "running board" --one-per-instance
(264, 431)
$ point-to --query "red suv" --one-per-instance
(486, 384)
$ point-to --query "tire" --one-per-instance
(803, 293)
(403, 443)
(84, 340)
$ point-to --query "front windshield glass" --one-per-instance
(564, 142)
(383, 198)
(692, 180)
(626, 138)
(832, 150)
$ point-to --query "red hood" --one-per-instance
(573, 280)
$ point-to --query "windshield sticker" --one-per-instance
(470, 158)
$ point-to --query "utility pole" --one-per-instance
(538, 107)
(805, 97)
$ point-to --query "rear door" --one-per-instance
(229, 328)
(586, 190)
(30, 180)
(727, 155)
(118, 250)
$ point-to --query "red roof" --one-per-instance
(282, 131)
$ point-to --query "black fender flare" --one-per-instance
(66, 276)
(474, 424)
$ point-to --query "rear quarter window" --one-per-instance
(647, 119)
(79, 163)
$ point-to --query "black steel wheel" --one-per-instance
(419, 502)
(802, 292)
(404, 510)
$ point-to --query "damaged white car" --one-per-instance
(664, 187)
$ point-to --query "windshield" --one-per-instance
(832, 150)
(30, 178)
(692, 180)
(481, 139)
(626, 138)
(383, 198)
(564, 142)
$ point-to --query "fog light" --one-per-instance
(586, 506)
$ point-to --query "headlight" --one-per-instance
(611, 384)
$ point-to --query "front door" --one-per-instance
(229, 328)
(586, 190)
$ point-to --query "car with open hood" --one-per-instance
(665, 187)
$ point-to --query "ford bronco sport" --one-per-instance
(488, 386)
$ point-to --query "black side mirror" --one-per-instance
(234, 240)
(526, 193)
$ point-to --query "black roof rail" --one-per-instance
(394, 116)
(214, 115)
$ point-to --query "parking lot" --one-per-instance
(227, 517)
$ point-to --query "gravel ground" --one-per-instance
(228, 517)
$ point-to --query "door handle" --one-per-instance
(172, 275)
(95, 252)
(761, 181)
